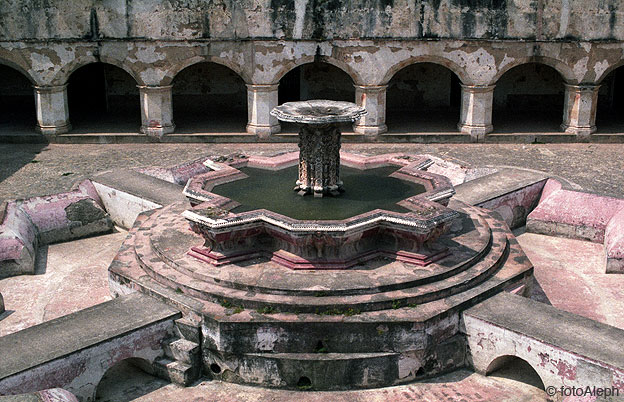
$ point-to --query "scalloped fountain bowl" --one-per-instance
(406, 231)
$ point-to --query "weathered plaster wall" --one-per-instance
(313, 19)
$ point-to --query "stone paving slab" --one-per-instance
(56, 338)
(141, 185)
(457, 386)
(64, 282)
(503, 182)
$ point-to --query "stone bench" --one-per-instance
(564, 349)
(24, 224)
(581, 216)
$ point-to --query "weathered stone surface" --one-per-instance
(614, 243)
(578, 352)
(74, 351)
(47, 395)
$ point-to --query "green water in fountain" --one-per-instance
(365, 190)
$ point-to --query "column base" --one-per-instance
(581, 132)
(157, 131)
(263, 132)
(51, 131)
(476, 132)
(370, 131)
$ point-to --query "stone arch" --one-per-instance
(209, 97)
(423, 97)
(19, 68)
(444, 62)
(68, 69)
(103, 97)
(562, 68)
(598, 80)
(516, 368)
(112, 374)
(177, 68)
(529, 98)
(292, 64)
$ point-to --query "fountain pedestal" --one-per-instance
(319, 142)
(319, 160)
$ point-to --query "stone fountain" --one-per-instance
(368, 298)
(319, 142)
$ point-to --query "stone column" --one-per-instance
(579, 111)
(373, 99)
(261, 99)
(52, 109)
(156, 110)
(476, 110)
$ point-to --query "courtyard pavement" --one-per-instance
(36, 169)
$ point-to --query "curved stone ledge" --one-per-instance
(48, 219)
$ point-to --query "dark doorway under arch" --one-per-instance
(317, 80)
(423, 98)
(515, 368)
(17, 103)
(103, 98)
(209, 98)
(126, 381)
(529, 99)
(610, 110)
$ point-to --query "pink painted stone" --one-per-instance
(576, 215)
(614, 243)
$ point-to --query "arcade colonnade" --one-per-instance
(371, 66)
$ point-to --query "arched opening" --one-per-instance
(103, 98)
(423, 98)
(317, 80)
(610, 110)
(529, 99)
(209, 98)
(515, 369)
(17, 102)
(127, 381)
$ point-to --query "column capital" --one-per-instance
(371, 88)
(50, 88)
(581, 87)
(262, 87)
(154, 88)
(477, 88)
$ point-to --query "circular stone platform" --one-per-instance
(383, 322)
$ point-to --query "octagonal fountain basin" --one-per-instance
(245, 208)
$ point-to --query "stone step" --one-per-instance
(182, 351)
(163, 272)
(168, 276)
(188, 329)
(176, 372)
(307, 371)
(248, 331)
(282, 280)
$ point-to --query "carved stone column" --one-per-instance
(261, 99)
(579, 111)
(373, 99)
(319, 160)
(52, 109)
(476, 110)
(156, 110)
